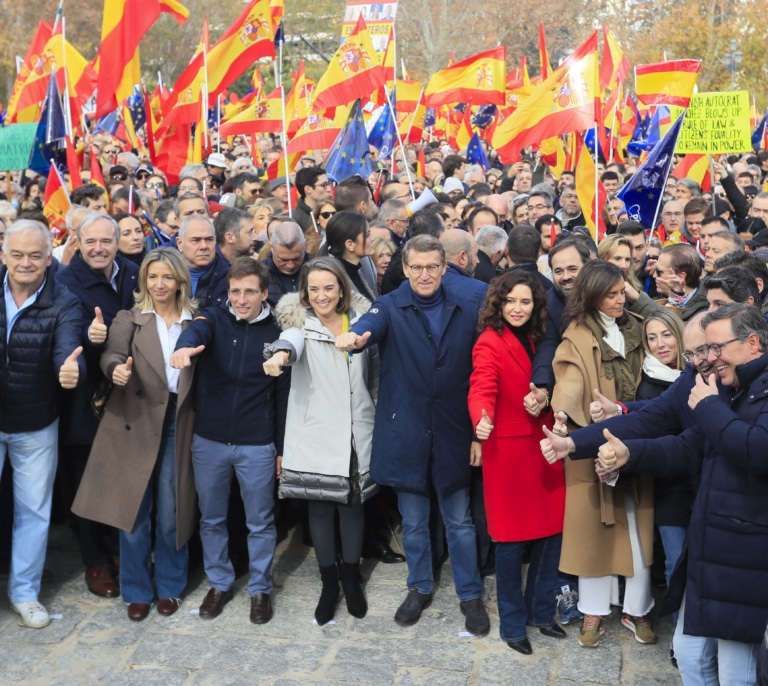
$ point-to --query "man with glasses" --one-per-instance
(190, 185)
(539, 204)
(142, 174)
(423, 436)
(570, 214)
(671, 220)
(314, 190)
(718, 586)
(285, 259)
(677, 275)
(394, 214)
(167, 221)
(248, 186)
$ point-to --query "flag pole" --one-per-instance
(218, 122)
(597, 187)
(669, 169)
(65, 101)
(285, 150)
(712, 183)
(613, 122)
(400, 143)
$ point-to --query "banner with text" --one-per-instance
(379, 17)
(717, 123)
(16, 143)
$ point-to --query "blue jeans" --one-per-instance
(136, 545)
(254, 465)
(33, 456)
(707, 661)
(537, 607)
(672, 538)
(459, 531)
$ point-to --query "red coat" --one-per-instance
(524, 495)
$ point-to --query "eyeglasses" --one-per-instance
(568, 196)
(111, 152)
(537, 207)
(717, 348)
(142, 175)
(188, 189)
(328, 214)
(118, 177)
(418, 269)
(700, 352)
(325, 184)
(402, 221)
(672, 214)
(156, 184)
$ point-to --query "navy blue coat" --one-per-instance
(211, 289)
(78, 424)
(724, 567)
(423, 431)
(458, 280)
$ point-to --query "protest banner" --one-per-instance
(717, 123)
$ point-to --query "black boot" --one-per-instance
(353, 591)
(326, 606)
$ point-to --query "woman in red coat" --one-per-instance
(524, 500)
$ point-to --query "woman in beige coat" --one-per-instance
(140, 457)
(329, 426)
(608, 529)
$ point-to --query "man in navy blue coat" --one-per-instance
(719, 582)
(423, 438)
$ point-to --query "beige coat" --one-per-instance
(127, 443)
(595, 533)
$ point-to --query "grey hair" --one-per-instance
(192, 218)
(28, 225)
(189, 171)
(91, 218)
(287, 234)
(390, 208)
(186, 196)
(745, 320)
(691, 185)
(491, 239)
(421, 244)
(128, 159)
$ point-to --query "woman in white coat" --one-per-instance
(329, 427)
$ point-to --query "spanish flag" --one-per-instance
(318, 132)
(248, 39)
(615, 66)
(478, 80)
(666, 83)
(296, 104)
(354, 71)
(33, 63)
(264, 115)
(56, 205)
(122, 27)
(696, 167)
(586, 192)
(567, 101)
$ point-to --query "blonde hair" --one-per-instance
(673, 322)
(609, 246)
(175, 261)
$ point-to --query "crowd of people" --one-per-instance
(217, 359)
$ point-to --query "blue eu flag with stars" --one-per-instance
(51, 133)
(349, 154)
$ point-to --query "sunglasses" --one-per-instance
(111, 152)
(118, 177)
(156, 184)
(142, 175)
(327, 215)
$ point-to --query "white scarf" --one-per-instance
(658, 371)
(613, 335)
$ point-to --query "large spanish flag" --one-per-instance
(264, 115)
(248, 39)
(666, 83)
(33, 62)
(354, 71)
(567, 101)
(122, 27)
(479, 80)
(615, 66)
(696, 167)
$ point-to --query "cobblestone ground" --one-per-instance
(93, 642)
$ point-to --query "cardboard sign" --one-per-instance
(16, 143)
(717, 123)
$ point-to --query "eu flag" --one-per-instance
(137, 108)
(383, 135)
(476, 153)
(759, 132)
(643, 192)
(50, 139)
(349, 155)
(485, 116)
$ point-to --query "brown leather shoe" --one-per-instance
(214, 603)
(138, 611)
(101, 582)
(167, 606)
(261, 608)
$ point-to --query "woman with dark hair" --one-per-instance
(139, 473)
(131, 244)
(608, 527)
(329, 426)
(346, 239)
(524, 496)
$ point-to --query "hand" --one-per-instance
(560, 425)
(350, 341)
(279, 466)
(70, 371)
(122, 373)
(604, 475)
(70, 248)
(182, 357)
(475, 454)
(602, 408)
(555, 447)
(630, 292)
(612, 455)
(97, 331)
(535, 401)
(720, 171)
(274, 365)
(484, 427)
(702, 389)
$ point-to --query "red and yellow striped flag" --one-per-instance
(56, 205)
(666, 83)
(479, 79)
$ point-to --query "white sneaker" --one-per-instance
(33, 614)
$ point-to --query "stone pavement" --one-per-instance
(94, 642)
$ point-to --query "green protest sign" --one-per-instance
(16, 143)
(716, 123)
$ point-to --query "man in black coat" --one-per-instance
(104, 283)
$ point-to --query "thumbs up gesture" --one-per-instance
(122, 373)
(555, 447)
(535, 401)
(602, 408)
(613, 454)
(69, 372)
(484, 427)
(97, 331)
